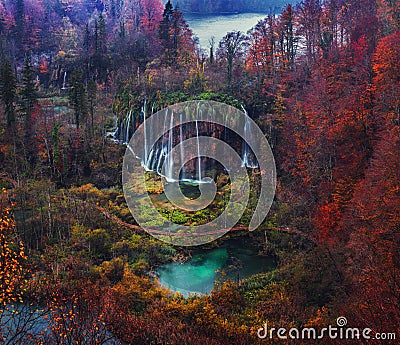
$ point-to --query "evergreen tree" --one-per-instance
(122, 32)
(3, 44)
(77, 97)
(174, 34)
(113, 10)
(28, 100)
(102, 34)
(1, 26)
(211, 41)
(91, 96)
(19, 20)
(100, 61)
(8, 88)
(86, 46)
(96, 38)
(165, 25)
(28, 92)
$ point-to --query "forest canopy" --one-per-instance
(321, 80)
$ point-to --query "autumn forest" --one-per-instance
(321, 79)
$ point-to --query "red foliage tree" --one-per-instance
(151, 15)
(374, 245)
(386, 80)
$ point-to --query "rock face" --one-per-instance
(231, 6)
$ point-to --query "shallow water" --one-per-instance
(235, 259)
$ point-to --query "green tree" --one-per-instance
(100, 61)
(8, 89)
(28, 100)
(1, 25)
(102, 44)
(56, 149)
(113, 10)
(2, 37)
(166, 21)
(165, 30)
(211, 41)
(176, 37)
(86, 47)
(19, 20)
(122, 31)
(91, 96)
(28, 91)
(77, 97)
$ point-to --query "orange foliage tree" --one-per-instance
(15, 319)
(12, 258)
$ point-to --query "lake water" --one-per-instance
(235, 259)
(206, 26)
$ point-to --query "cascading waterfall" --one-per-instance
(155, 151)
(145, 159)
(64, 85)
(198, 174)
(182, 177)
(170, 162)
(128, 126)
(164, 147)
(151, 130)
(248, 159)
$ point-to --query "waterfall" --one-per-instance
(182, 152)
(145, 159)
(126, 138)
(170, 163)
(248, 159)
(64, 81)
(151, 127)
(160, 157)
(245, 148)
(162, 148)
(156, 155)
(225, 132)
(198, 154)
(149, 160)
(154, 158)
(153, 148)
(117, 130)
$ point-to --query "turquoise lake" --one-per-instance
(235, 259)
